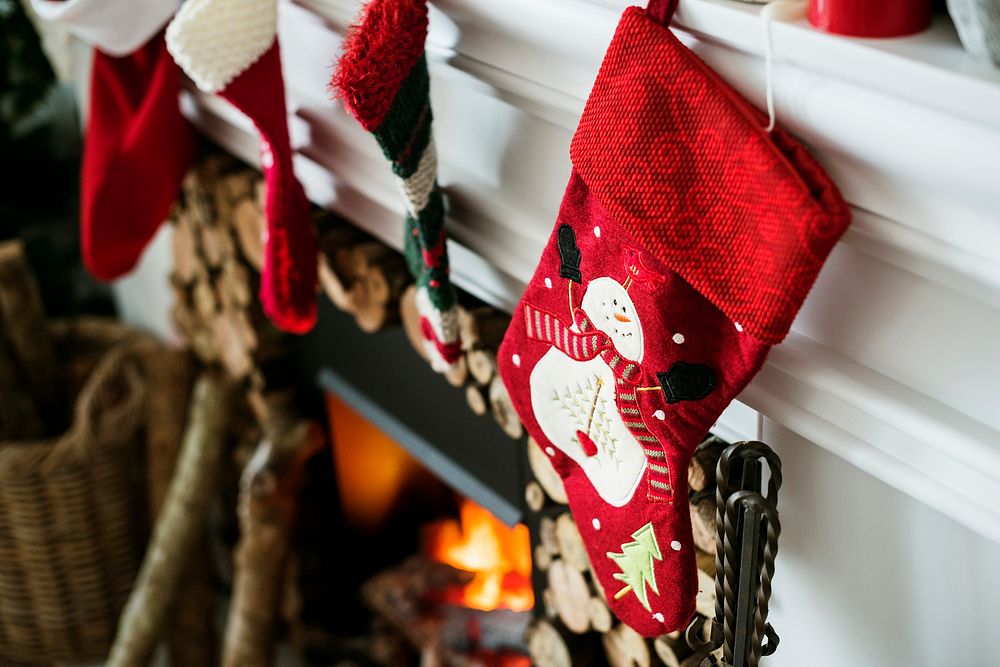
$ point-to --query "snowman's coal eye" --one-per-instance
(616, 302)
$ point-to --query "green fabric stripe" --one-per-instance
(409, 159)
(409, 114)
(429, 224)
(430, 221)
(411, 249)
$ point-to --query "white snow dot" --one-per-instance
(516, 359)
(597, 232)
(739, 327)
(660, 414)
(597, 524)
(658, 617)
(679, 338)
(675, 545)
(266, 156)
(548, 283)
(550, 451)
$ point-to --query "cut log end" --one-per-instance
(571, 595)
(545, 474)
(600, 616)
(476, 400)
(503, 410)
(571, 546)
(482, 328)
(534, 496)
(482, 365)
(624, 647)
(547, 647)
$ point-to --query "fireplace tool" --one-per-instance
(747, 545)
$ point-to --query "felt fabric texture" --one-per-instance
(383, 80)
(115, 27)
(230, 48)
(137, 148)
(684, 163)
(686, 241)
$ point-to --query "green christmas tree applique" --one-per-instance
(636, 564)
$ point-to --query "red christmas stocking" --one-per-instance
(136, 150)
(687, 239)
(383, 79)
(137, 145)
(230, 48)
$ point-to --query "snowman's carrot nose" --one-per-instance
(621, 318)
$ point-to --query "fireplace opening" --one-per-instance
(414, 469)
(437, 578)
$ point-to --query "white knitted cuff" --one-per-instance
(214, 41)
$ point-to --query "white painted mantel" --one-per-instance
(884, 401)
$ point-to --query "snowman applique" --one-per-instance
(583, 389)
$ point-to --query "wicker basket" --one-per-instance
(69, 521)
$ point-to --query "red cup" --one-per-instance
(870, 18)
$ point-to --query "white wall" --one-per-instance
(868, 577)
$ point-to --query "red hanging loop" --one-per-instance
(661, 11)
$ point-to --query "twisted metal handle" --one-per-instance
(731, 502)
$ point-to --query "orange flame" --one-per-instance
(499, 558)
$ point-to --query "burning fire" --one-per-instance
(498, 556)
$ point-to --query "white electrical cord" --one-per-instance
(778, 10)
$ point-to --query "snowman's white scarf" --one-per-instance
(586, 344)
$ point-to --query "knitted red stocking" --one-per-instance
(137, 146)
(686, 242)
(229, 47)
(136, 150)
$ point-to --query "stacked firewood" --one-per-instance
(218, 252)
(573, 624)
(360, 275)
